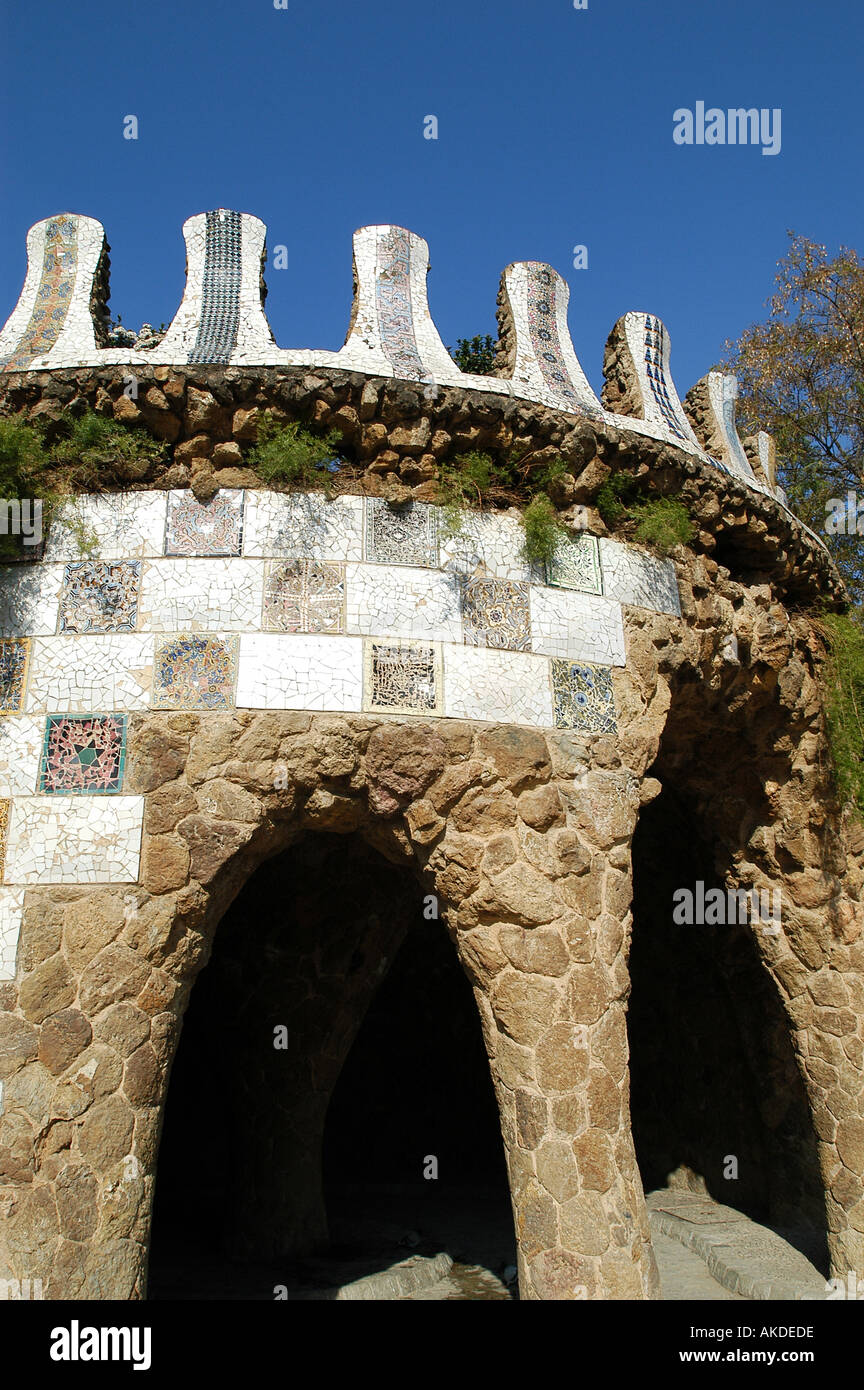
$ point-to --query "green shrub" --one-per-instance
(844, 704)
(96, 444)
(22, 462)
(614, 497)
(543, 530)
(475, 355)
(286, 453)
(662, 522)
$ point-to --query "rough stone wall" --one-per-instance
(525, 838)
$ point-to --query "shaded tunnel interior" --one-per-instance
(717, 1102)
(331, 1062)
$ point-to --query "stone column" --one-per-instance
(540, 868)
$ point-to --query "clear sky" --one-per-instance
(555, 129)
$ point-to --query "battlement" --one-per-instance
(60, 322)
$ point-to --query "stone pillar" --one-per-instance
(540, 868)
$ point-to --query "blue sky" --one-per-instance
(555, 129)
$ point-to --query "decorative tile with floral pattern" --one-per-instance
(98, 596)
(14, 659)
(403, 676)
(495, 614)
(195, 672)
(204, 528)
(304, 596)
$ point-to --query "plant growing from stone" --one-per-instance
(543, 530)
(286, 453)
(662, 522)
(97, 446)
(22, 464)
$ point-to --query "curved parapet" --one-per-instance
(638, 381)
(391, 331)
(53, 322)
(535, 339)
(221, 318)
(710, 406)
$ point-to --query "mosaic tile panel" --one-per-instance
(403, 677)
(495, 614)
(21, 740)
(123, 525)
(54, 296)
(192, 672)
(304, 596)
(299, 671)
(401, 602)
(576, 565)
(583, 697)
(80, 674)
(74, 839)
(585, 627)
(201, 595)
(11, 912)
(486, 545)
(635, 577)
(393, 302)
(220, 300)
(301, 526)
(497, 686)
(5, 806)
(83, 755)
(100, 597)
(401, 535)
(29, 599)
(14, 660)
(204, 528)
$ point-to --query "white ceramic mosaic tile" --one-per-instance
(584, 627)
(301, 526)
(21, 739)
(122, 526)
(497, 686)
(722, 394)
(201, 595)
(11, 912)
(487, 545)
(29, 599)
(74, 839)
(81, 674)
(635, 577)
(402, 602)
(299, 671)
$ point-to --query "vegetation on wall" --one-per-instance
(287, 453)
(660, 521)
(844, 706)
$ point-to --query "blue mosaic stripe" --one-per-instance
(59, 268)
(655, 344)
(543, 330)
(220, 302)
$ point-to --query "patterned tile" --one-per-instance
(576, 565)
(220, 299)
(656, 351)
(393, 302)
(403, 677)
(304, 596)
(5, 807)
(83, 754)
(495, 614)
(192, 672)
(583, 697)
(204, 528)
(14, 659)
(543, 289)
(401, 535)
(99, 597)
(54, 296)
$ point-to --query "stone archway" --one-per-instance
(527, 851)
